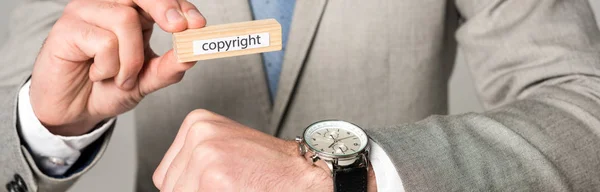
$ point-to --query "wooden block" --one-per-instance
(227, 40)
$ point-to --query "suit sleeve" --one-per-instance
(536, 66)
(28, 27)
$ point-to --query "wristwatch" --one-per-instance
(343, 146)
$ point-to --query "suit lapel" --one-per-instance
(307, 16)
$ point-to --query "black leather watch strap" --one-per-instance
(352, 179)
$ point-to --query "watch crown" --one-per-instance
(314, 158)
(301, 147)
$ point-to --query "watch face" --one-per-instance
(335, 138)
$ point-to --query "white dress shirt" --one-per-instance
(55, 154)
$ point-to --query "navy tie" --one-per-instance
(281, 10)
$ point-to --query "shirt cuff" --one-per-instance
(387, 177)
(53, 154)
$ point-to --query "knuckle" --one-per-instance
(203, 125)
(72, 7)
(210, 150)
(202, 114)
(208, 154)
(219, 176)
(110, 41)
(62, 24)
(202, 130)
(127, 16)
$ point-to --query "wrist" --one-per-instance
(326, 180)
(371, 180)
(57, 120)
(322, 175)
(75, 128)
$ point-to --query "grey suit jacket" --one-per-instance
(383, 65)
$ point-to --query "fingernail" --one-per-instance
(194, 14)
(129, 83)
(174, 16)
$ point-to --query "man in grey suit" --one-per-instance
(383, 65)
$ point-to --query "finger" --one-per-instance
(96, 43)
(147, 29)
(204, 166)
(180, 162)
(161, 72)
(199, 133)
(167, 14)
(106, 61)
(190, 178)
(101, 45)
(180, 139)
(125, 23)
(195, 19)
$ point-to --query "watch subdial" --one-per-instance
(333, 135)
(340, 148)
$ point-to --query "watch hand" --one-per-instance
(334, 141)
(330, 146)
(345, 138)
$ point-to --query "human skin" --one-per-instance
(96, 62)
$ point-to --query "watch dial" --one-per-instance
(335, 138)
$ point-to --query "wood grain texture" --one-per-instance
(184, 48)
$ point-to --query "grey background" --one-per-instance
(116, 170)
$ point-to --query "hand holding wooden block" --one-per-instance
(227, 40)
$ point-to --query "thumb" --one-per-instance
(161, 72)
